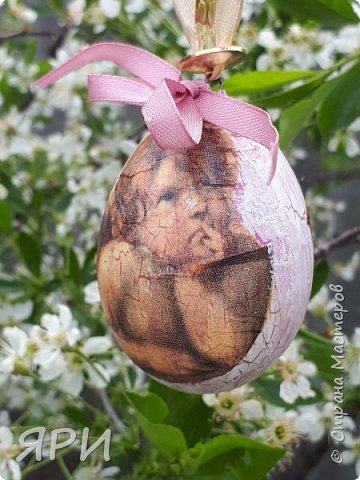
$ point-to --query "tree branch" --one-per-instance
(111, 411)
(342, 240)
(25, 33)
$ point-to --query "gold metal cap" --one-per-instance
(213, 61)
(210, 27)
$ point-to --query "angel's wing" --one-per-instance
(185, 11)
(227, 18)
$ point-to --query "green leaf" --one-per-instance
(14, 200)
(323, 12)
(257, 82)
(57, 5)
(314, 338)
(334, 162)
(63, 202)
(30, 251)
(9, 285)
(5, 216)
(341, 107)
(151, 406)
(89, 265)
(77, 415)
(319, 350)
(73, 266)
(284, 99)
(342, 7)
(230, 475)
(240, 455)
(321, 273)
(295, 119)
(186, 412)
(149, 410)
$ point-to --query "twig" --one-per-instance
(111, 411)
(345, 238)
(60, 38)
(10, 35)
(64, 469)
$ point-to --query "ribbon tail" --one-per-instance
(241, 119)
(186, 12)
(137, 61)
(110, 88)
(227, 18)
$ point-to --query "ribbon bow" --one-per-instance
(173, 109)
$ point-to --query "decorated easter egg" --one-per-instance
(204, 268)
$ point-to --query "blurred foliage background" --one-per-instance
(60, 156)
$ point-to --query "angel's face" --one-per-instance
(185, 216)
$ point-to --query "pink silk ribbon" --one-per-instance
(173, 109)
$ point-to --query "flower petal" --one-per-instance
(210, 399)
(111, 8)
(109, 472)
(72, 382)
(251, 409)
(357, 467)
(14, 468)
(307, 368)
(304, 387)
(50, 322)
(288, 391)
(6, 437)
(65, 316)
(348, 457)
(53, 369)
(17, 339)
(92, 294)
(98, 377)
(96, 345)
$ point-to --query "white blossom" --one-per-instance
(315, 420)
(62, 358)
(5, 418)
(9, 467)
(280, 430)
(135, 6)
(347, 40)
(111, 8)
(21, 12)
(352, 455)
(251, 8)
(352, 359)
(13, 351)
(97, 473)
(72, 378)
(96, 17)
(235, 403)
(347, 271)
(15, 312)
(60, 330)
(92, 294)
(295, 372)
(75, 11)
(350, 138)
(321, 304)
(3, 192)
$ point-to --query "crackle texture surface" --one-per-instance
(204, 270)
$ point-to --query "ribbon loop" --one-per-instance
(173, 109)
(173, 123)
